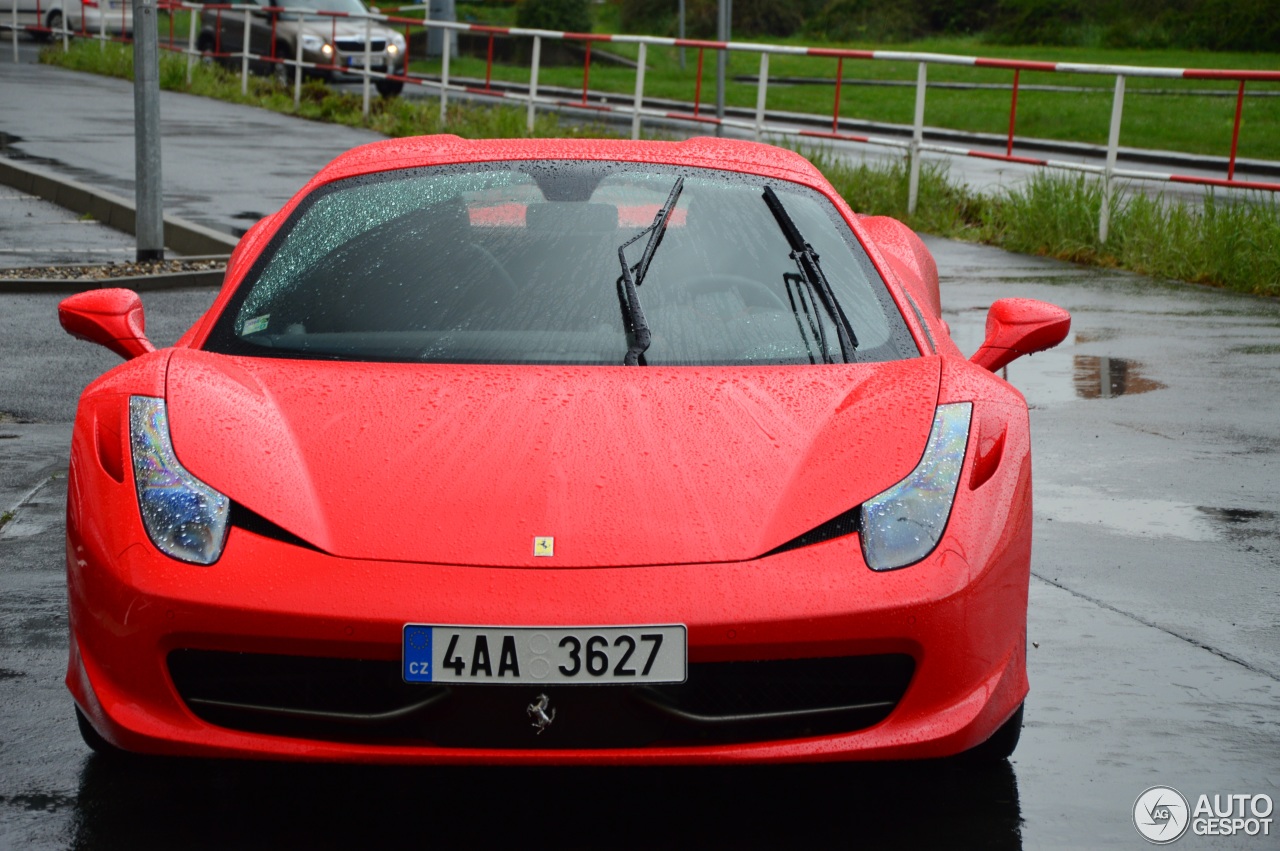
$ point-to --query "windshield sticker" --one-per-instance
(256, 324)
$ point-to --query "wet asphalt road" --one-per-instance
(1154, 613)
(1155, 617)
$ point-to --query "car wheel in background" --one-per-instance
(281, 70)
(205, 46)
(389, 88)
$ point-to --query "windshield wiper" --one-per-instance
(638, 336)
(811, 273)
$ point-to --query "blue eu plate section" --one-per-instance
(417, 654)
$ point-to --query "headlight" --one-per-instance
(313, 43)
(393, 48)
(185, 518)
(903, 524)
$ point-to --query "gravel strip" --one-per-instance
(107, 271)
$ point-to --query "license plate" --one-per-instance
(358, 62)
(588, 655)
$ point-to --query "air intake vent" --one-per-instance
(836, 527)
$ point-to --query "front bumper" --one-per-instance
(349, 66)
(962, 627)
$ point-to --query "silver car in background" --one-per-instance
(112, 17)
(333, 42)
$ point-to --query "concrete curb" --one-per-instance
(181, 236)
(210, 278)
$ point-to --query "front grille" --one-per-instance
(366, 701)
(356, 45)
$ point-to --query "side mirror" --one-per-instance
(1020, 326)
(110, 317)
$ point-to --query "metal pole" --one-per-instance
(244, 54)
(1013, 112)
(762, 90)
(444, 75)
(368, 62)
(1235, 133)
(1113, 147)
(917, 138)
(297, 67)
(680, 32)
(722, 34)
(534, 67)
(65, 26)
(14, 30)
(639, 101)
(149, 223)
(193, 16)
(102, 29)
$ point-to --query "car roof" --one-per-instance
(445, 149)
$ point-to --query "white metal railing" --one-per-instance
(759, 125)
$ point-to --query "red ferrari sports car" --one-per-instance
(556, 451)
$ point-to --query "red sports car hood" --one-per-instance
(620, 465)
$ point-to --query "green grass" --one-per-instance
(390, 116)
(1188, 121)
(1233, 245)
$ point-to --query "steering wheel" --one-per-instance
(753, 292)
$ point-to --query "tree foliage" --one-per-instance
(564, 15)
(1241, 25)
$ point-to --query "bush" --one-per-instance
(866, 21)
(643, 16)
(776, 18)
(565, 15)
(1038, 21)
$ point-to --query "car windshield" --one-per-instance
(519, 262)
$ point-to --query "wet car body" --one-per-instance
(335, 43)
(833, 534)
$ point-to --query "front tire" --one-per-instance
(389, 88)
(1002, 742)
(282, 71)
(204, 46)
(94, 739)
(54, 23)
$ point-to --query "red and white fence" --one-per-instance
(759, 126)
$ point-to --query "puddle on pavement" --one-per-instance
(1154, 517)
(1104, 377)
(1097, 335)
(1059, 375)
(1242, 525)
(7, 149)
(1137, 517)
